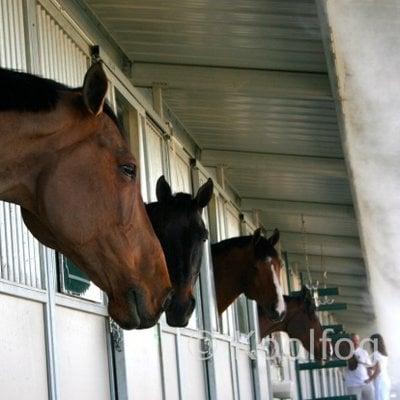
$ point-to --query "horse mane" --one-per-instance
(182, 201)
(228, 244)
(24, 92)
(20, 91)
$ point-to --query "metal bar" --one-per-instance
(333, 328)
(332, 307)
(288, 271)
(298, 379)
(332, 291)
(48, 260)
(346, 397)
(317, 365)
(312, 382)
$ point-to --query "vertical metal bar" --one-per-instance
(178, 351)
(21, 251)
(11, 34)
(10, 241)
(49, 268)
(207, 296)
(116, 390)
(3, 239)
(161, 354)
(288, 271)
(17, 243)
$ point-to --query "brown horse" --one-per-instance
(177, 221)
(249, 265)
(299, 321)
(63, 159)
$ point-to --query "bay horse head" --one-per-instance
(262, 282)
(249, 265)
(300, 322)
(77, 183)
(179, 226)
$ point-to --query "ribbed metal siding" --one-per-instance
(19, 251)
(61, 59)
(12, 45)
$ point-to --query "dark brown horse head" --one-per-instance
(87, 203)
(302, 323)
(179, 226)
(262, 282)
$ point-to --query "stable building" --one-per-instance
(276, 102)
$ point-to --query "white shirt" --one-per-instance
(358, 376)
(378, 357)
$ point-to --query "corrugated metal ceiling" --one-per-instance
(248, 77)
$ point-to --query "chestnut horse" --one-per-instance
(299, 320)
(249, 265)
(63, 159)
(180, 228)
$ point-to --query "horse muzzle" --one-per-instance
(178, 313)
(133, 312)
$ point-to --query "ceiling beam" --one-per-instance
(298, 208)
(354, 317)
(262, 83)
(357, 282)
(336, 246)
(338, 265)
(318, 166)
(355, 300)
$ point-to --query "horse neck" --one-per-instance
(27, 141)
(229, 274)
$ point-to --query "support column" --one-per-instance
(362, 42)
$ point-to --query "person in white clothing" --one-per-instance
(357, 380)
(380, 376)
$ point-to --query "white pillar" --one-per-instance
(364, 39)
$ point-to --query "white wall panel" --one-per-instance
(192, 370)
(170, 363)
(224, 381)
(22, 350)
(82, 356)
(244, 374)
(142, 356)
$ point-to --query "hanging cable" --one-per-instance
(306, 261)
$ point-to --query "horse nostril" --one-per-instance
(167, 300)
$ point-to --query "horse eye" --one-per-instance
(129, 170)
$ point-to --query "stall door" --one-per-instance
(81, 336)
(191, 364)
(241, 343)
(143, 347)
(22, 281)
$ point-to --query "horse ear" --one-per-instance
(163, 190)
(273, 240)
(257, 235)
(305, 291)
(95, 88)
(205, 193)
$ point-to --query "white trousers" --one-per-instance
(382, 388)
(365, 392)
